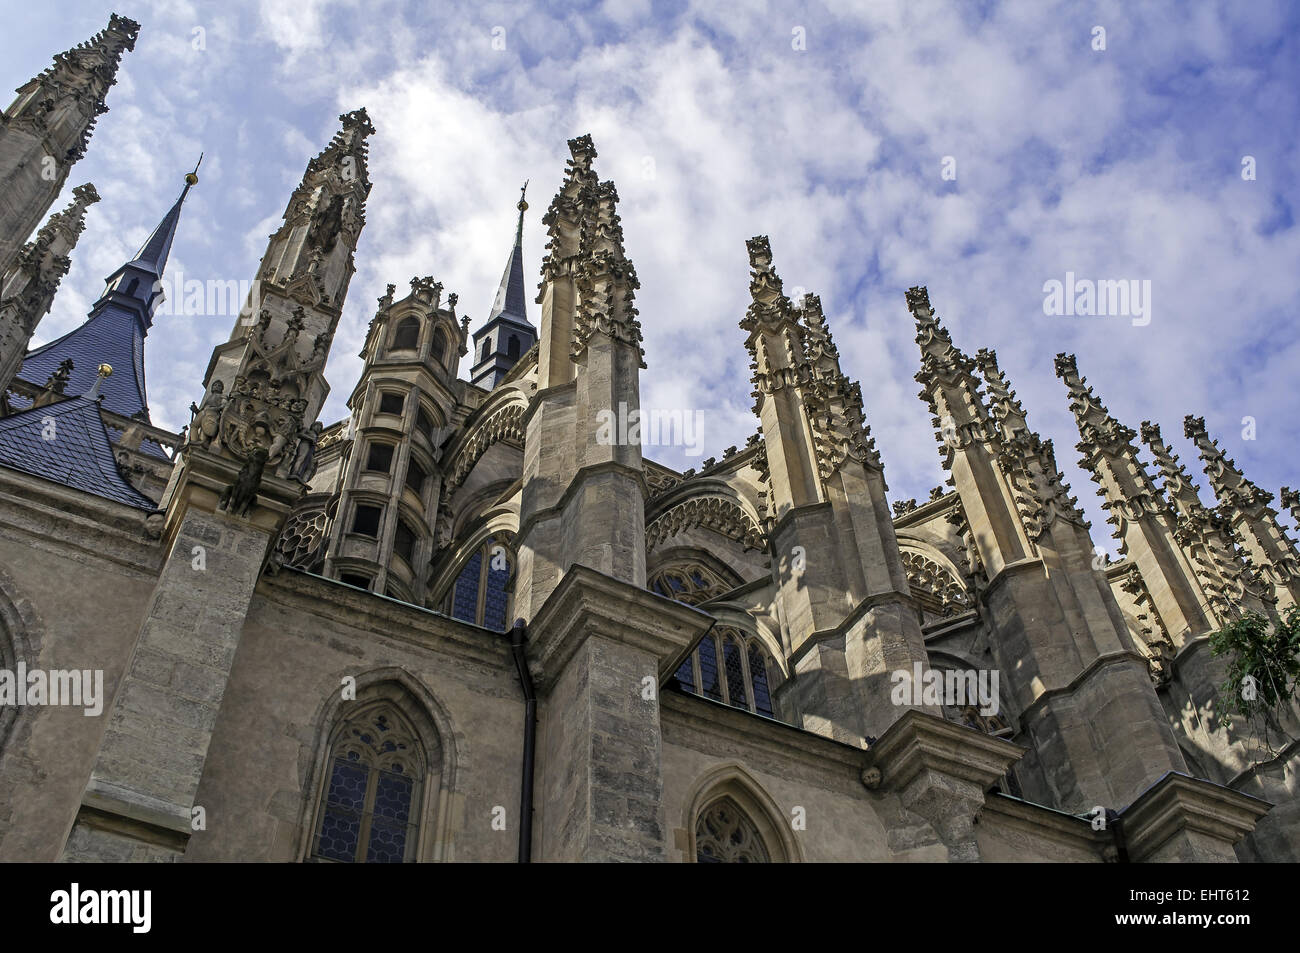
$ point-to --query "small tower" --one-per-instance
(46, 129)
(382, 535)
(27, 290)
(507, 335)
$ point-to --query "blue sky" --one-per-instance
(1122, 163)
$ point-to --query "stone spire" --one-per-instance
(829, 530)
(1229, 583)
(834, 402)
(1042, 495)
(783, 384)
(47, 128)
(1254, 522)
(580, 580)
(507, 334)
(590, 338)
(1062, 644)
(118, 322)
(1144, 522)
(1291, 500)
(27, 291)
(557, 292)
(231, 491)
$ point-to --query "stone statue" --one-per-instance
(242, 494)
(304, 460)
(206, 422)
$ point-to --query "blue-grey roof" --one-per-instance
(67, 442)
(511, 299)
(113, 334)
(115, 330)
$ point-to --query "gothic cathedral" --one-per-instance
(467, 624)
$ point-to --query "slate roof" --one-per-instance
(77, 453)
(115, 330)
(114, 335)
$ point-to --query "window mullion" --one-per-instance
(367, 813)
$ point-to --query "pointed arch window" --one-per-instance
(512, 349)
(725, 834)
(728, 666)
(480, 594)
(371, 802)
(487, 349)
(407, 336)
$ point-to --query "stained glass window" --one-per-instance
(372, 791)
(758, 678)
(481, 593)
(465, 597)
(708, 656)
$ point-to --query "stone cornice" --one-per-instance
(1178, 803)
(918, 742)
(373, 613)
(588, 603)
(786, 744)
(1041, 821)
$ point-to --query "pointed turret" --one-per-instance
(1253, 521)
(47, 128)
(827, 490)
(782, 375)
(1291, 500)
(27, 291)
(232, 488)
(1145, 523)
(116, 327)
(1061, 640)
(507, 334)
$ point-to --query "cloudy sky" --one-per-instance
(836, 133)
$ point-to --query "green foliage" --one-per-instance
(1263, 665)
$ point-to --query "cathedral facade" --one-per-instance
(472, 622)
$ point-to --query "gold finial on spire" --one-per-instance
(192, 178)
(523, 205)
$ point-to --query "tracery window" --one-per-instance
(479, 594)
(724, 834)
(728, 666)
(370, 810)
(690, 583)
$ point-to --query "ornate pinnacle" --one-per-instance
(1291, 500)
(918, 300)
(1001, 394)
(770, 305)
(1230, 484)
(583, 151)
